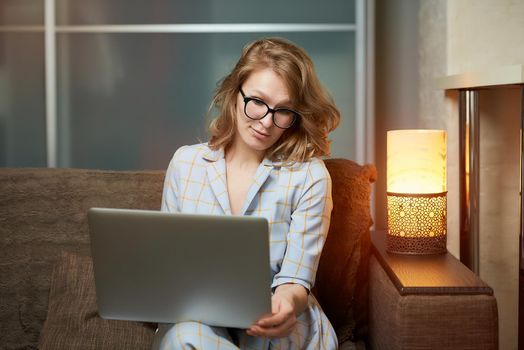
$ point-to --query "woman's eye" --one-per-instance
(286, 112)
(258, 102)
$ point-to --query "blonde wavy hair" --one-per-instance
(308, 137)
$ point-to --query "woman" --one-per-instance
(263, 159)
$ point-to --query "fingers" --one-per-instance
(282, 310)
(278, 331)
(283, 320)
(275, 319)
(278, 325)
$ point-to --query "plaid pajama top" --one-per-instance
(296, 201)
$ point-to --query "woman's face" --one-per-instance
(260, 135)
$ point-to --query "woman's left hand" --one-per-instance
(283, 320)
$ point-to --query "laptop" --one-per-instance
(163, 267)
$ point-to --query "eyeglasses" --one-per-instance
(257, 109)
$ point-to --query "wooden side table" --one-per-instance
(430, 302)
(426, 274)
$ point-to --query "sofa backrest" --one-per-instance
(44, 212)
(341, 283)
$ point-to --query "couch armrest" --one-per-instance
(438, 306)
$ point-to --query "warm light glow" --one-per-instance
(416, 161)
(416, 186)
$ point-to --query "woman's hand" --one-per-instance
(288, 301)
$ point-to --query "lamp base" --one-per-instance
(416, 245)
(417, 223)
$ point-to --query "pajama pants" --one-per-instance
(313, 332)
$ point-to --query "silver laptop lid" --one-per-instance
(162, 267)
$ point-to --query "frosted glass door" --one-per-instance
(22, 93)
(127, 101)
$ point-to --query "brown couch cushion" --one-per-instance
(43, 212)
(72, 320)
(341, 284)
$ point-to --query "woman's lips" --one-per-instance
(259, 134)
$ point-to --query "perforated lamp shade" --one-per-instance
(416, 190)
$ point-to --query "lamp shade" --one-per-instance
(416, 190)
(416, 161)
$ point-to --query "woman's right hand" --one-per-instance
(280, 323)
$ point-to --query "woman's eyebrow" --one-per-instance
(265, 98)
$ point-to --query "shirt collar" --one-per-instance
(215, 155)
(276, 163)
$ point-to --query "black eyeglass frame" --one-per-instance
(269, 110)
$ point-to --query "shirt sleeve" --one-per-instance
(170, 193)
(308, 229)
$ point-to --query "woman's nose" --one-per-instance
(267, 121)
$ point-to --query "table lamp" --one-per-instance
(416, 191)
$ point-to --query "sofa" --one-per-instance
(47, 292)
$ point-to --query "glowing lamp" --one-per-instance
(416, 191)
